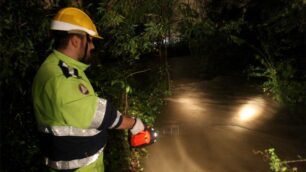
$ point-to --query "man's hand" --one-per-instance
(134, 124)
(137, 127)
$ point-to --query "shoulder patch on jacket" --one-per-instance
(68, 71)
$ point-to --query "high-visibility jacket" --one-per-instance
(72, 120)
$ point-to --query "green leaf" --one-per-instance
(128, 89)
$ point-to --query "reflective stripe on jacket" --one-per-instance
(72, 120)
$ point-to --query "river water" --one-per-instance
(222, 125)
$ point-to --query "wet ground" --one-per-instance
(220, 125)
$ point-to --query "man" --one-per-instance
(72, 120)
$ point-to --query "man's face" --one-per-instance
(85, 54)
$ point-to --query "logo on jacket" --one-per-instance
(83, 89)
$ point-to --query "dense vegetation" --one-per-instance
(130, 68)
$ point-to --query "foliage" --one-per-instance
(280, 82)
(276, 164)
(126, 35)
(23, 37)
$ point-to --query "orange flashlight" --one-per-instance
(146, 137)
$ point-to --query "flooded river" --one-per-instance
(220, 125)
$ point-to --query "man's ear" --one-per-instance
(74, 41)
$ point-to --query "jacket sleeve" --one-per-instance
(80, 107)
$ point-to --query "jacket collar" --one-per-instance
(70, 61)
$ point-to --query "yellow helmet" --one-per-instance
(74, 20)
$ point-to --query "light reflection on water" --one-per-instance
(252, 109)
(188, 103)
